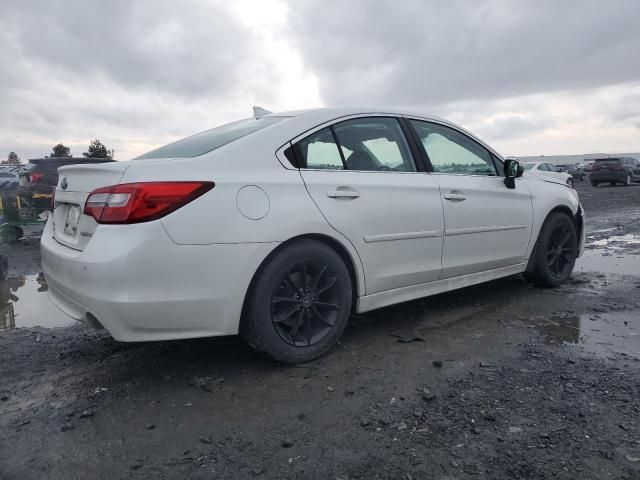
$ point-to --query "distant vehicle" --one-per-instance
(8, 180)
(11, 168)
(278, 227)
(39, 177)
(576, 171)
(548, 171)
(622, 170)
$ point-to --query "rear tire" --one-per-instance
(627, 182)
(298, 304)
(4, 267)
(594, 184)
(14, 234)
(555, 252)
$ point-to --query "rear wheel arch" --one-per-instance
(331, 242)
(261, 329)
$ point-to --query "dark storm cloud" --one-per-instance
(187, 47)
(130, 70)
(140, 73)
(417, 52)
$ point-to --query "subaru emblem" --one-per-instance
(64, 184)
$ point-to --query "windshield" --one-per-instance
(529, 166)
(209, 140)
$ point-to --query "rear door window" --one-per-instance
(367, 144)
(320, 151)
(374, 144)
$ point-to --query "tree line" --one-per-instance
(96, 149)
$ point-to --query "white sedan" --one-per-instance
(278, 227)
(548, 171)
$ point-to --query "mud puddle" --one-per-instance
(600, 333)
(608, 261)
(24, 303)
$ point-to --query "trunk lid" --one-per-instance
(71, 227)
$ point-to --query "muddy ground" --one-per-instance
(501, 380)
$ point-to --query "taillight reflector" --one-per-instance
(141, 202)
(35, 177)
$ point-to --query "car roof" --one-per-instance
(302, 120)
(331, 113)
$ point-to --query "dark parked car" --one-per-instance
(39, 178)
(8, 180)
(576, 171)
(623, 170)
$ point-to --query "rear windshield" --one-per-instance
(529, 166)
(608, 161)
(209, 140)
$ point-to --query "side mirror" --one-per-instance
(512, 170)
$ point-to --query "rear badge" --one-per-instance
(64, 184)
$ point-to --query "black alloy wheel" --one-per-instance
(299, 302)
(561, 251)
(305, 304)
(555, 252)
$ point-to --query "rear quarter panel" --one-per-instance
(215, 217)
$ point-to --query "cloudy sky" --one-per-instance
(530, 77)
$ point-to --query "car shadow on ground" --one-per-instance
(366, 335)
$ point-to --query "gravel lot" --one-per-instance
(501, 380)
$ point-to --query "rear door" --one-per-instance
(487, 225)
(363, 177)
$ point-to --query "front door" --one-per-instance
(363, 178)
(487, 225)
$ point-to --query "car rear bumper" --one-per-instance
(139, 285)
(609, 176)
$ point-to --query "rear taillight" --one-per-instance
(141, 202)
(35, 177)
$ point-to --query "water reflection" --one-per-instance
(603, 261)
(561, 328)
(605, 332)
(24, 303)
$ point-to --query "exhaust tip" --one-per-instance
(93, 322)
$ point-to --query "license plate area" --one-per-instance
(72, 220)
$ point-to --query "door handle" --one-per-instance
(455, 197)
(343, 194)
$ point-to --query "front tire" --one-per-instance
(298, 304)
(555, 252)
(627, 182)
(594, 184)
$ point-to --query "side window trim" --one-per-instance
(337, 141)
(420, 157)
